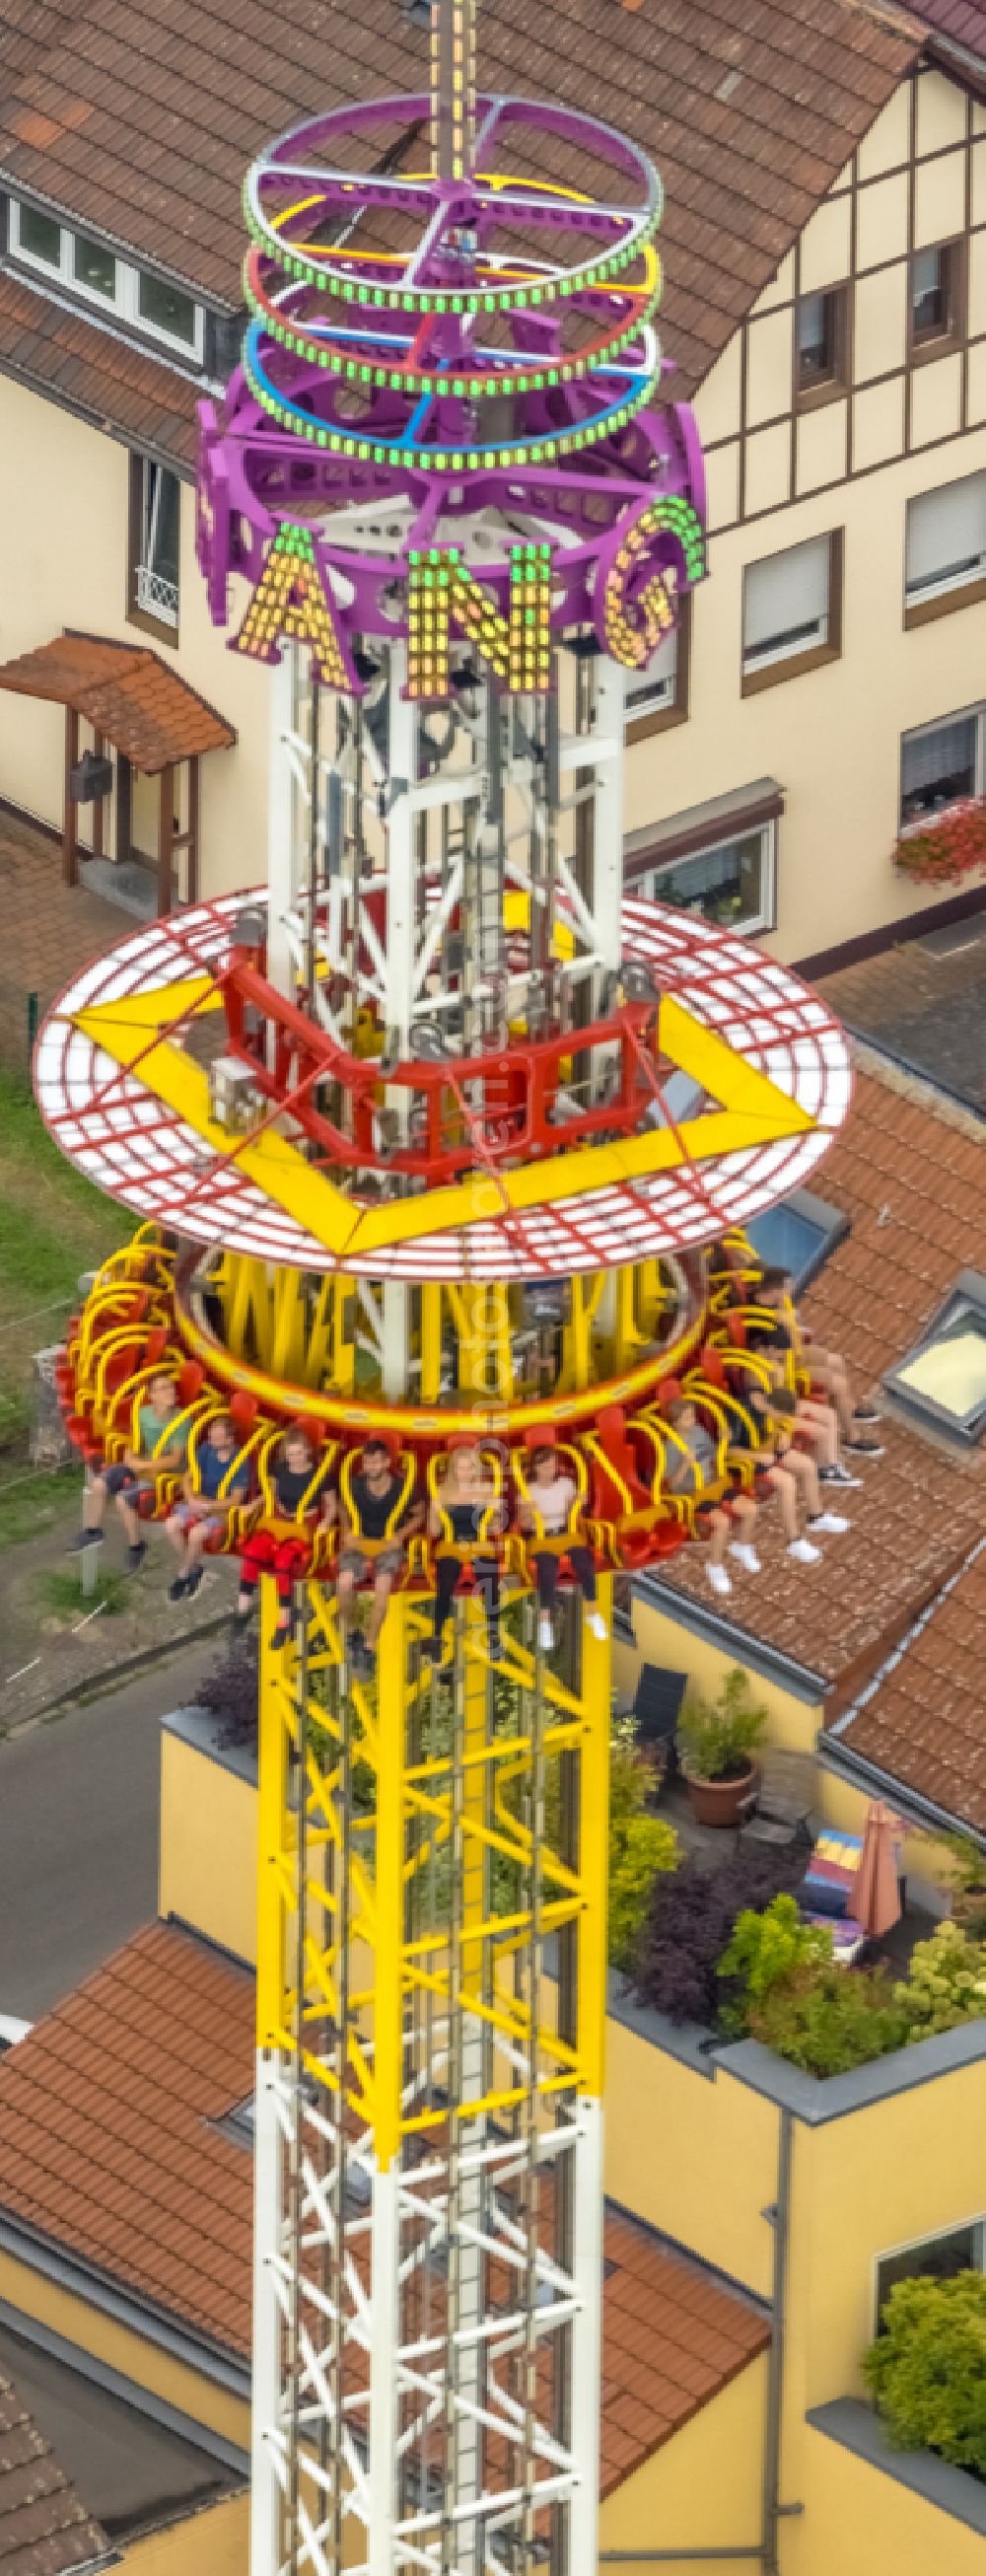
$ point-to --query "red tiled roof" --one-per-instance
(44, 2529)
(910, 1174)
(141, 121)
(924, 1724)
(109, 2146)
(131, 697)
(963, 21)
(140, 399)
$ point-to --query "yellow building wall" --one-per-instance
(208, 1848)
(859, 2521)
(63, 540)
(214, 2542)
(702, 2489)
(662, 1639)
(123, 2350)
(693, 2156)
(901, 2170)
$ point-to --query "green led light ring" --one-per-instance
(516, 372)
(592, 276)
(365, 449)
(595, 271)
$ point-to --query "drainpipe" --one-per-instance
(779, 2217)
(764, 2550)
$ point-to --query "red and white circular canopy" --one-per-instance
(763, 1084)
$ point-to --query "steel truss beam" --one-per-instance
(446, 815)
(428, 2102)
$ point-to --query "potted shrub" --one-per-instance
(927, 2369)
(715, 1745)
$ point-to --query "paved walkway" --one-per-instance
(926, 1002)
(50, 931)
(79, 1834)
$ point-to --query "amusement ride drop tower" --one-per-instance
(441, 1125)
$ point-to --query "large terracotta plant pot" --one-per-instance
(720, 1802)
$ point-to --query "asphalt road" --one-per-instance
(78, 1833)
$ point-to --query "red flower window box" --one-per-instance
(945, 847)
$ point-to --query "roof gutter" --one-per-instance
(769, 1661)
(841, 1757)
(955, 57)
(911, 1804)
(82, 2280)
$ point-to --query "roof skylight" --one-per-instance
(944, 1377)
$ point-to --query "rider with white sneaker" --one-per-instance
(691, 1464)
(546, 1516)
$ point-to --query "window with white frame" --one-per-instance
(731, 882)
(790, 605)
(940, 764)
(91, 270)
(946, 539)
(155, 516)
(934, 2258)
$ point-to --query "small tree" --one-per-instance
(927, 2369)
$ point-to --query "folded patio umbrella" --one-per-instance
(876, 1894)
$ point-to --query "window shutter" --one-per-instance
(946, 532)
(786, 591)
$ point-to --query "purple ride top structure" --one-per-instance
(443, 1168)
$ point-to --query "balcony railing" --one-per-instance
(157, 596)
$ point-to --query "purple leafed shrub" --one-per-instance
(689, 1925)
(229, 1692)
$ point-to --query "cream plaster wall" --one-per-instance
(886, 143)
(831, 737)
(825, 245)
(63, 544)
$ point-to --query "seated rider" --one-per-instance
(376, 1492)
(785, 1470)
(689, 1474)
(286, 1552)
(553, 1492)
(208, 1499)
(470, 1510)
(158, 1453)
(785, 1331)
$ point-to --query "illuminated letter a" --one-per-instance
(290, 599)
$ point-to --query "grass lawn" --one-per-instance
(52, 1225)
